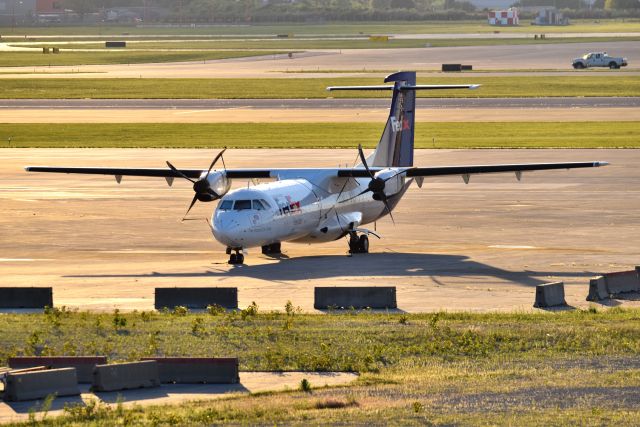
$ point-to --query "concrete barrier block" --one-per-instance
(357, 297)
(39, 384)
(550, 295)
(197, 370)
(622, 282)
(597, 289)
(198, 298)
(84, 365)
(124, 376)
(17, 297)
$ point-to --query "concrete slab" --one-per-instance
(481, 247)
(173, 394)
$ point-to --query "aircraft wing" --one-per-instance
(150, 172)
(341, 173)
(474, 169)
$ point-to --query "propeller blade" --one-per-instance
(364, 161)
(193, 202)
(173, 168)
(386, 205)
(216, 159)
(359, 194)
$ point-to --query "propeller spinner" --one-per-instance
(376, 185)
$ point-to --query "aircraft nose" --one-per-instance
(227, 230)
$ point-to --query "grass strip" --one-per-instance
(574, 367)
(321, 135)
(336, 28)
(36, 58)
(602, 84)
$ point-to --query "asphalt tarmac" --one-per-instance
(477, 247)
(329, 103)
(535, 57)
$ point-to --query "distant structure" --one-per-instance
(550, 16)
(49, 11)
(504, 18)
(17, 12)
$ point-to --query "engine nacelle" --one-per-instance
(219, 182)
(216, 182)
(393, 181)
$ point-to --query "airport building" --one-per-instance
(504, 18)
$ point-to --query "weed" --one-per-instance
(146, 316)
(119, 322)
(305, 385)
(288, 308)
(403, 320)
(197, 327)
(250, 311)
(180, 310)
(417, 407)
(215, 309)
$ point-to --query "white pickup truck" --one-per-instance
(598, 59)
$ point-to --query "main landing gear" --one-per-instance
(358, 244)
(235, 258)
(272, 249)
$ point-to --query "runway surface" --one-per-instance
(480, 247)
(506, 57)
(285, 115)
(329, 103)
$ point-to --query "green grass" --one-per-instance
(301, 43)
(37, 58)
(566, 368)
(322, 135)
(599, 84)
(344, 28)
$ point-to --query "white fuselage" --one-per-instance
(304, 210)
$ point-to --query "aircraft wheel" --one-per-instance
(233, 259)
(240, 259)
(363, 244)
(354, 244)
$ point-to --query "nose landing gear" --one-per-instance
(358, 244)
(235, 258)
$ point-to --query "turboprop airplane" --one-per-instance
(318, 205)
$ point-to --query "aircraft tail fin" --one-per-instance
(396, 143)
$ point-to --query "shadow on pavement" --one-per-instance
(388, 264)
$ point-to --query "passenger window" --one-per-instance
(241, 205)
(226, 205)
(257, 205)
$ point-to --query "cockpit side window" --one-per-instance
(226, 205)
(241, 205)
(260, 205)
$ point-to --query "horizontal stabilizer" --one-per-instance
(411, 87)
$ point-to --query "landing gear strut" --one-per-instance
(235, 258)
(272, 249)
(358, 244)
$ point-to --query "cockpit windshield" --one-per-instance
(241, 205)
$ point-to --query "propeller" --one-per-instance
(201, 187)
(375, 186)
